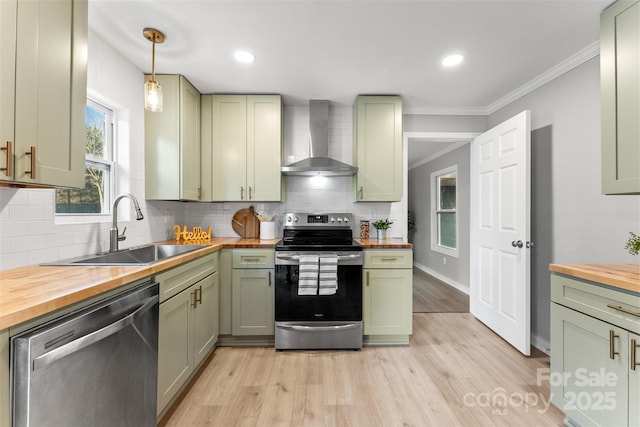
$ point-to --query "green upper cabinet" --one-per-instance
(620, 97)
(241, 147)
(43, 89)
(172, 142)
(378, 148)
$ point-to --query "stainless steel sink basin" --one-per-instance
(142, 255)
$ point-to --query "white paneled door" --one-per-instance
(500, 230)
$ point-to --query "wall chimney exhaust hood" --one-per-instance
(318, 162)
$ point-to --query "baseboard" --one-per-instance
(541, 344)
(448, 281)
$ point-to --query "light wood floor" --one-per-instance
(431, 295)
(456, 372)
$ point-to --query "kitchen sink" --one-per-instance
(142, 255)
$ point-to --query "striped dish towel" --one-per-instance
(308, 275)
(328, 275)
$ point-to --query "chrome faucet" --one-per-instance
(114, 236)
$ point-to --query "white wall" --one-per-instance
(588, 227)
(28, 230)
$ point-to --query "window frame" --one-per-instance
(436, 212)
(107, 162)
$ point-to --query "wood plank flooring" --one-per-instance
(431, 295)
(455, 372)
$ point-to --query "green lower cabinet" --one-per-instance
(387, 300)
(252, 301)
(188, 331)
(592, 380)
(387, 296)
(4, 379)
(205, 317)
(175, 348)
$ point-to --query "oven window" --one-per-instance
(345, 304)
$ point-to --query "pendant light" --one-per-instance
(152, 89)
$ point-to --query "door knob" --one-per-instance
(517, 244)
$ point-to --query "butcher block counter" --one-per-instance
(621, 276)
(29, 292)
(389, 243)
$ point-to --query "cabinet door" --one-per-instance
(172, 142)
(7, 83)
(387, 299)
(582, 348)
(264, 147)
(205, 317)
(51, 91)
(175, 346)
(189, 141)
(229, 142)
(4, 375)
(378, 147)
(252, 301)
(620, 97)
(634, 380)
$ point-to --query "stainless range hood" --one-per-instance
(319, 162)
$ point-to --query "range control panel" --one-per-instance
(318, 220)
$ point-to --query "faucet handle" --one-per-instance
(122, 237)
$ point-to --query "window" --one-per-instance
(95, 198)
(444, 218)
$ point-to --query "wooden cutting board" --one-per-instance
(246, 223)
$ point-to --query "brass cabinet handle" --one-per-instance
(241, 192)
(361, 193)
(612, 344)
(634, 346)
(249, 193)
(9, 149)
(367, 278)
(195, 298)
(32, 153)
(269, 279)
(624, 310)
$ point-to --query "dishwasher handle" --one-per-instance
(95, 336)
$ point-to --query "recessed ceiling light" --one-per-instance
(244, 56)
(452, 60)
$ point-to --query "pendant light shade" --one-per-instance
(153, 96)
(152, 89)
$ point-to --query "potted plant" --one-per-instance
(381, 226)
(633, 244)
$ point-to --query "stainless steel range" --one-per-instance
(318, 294)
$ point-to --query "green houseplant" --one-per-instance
(633, 244)
(381, 226)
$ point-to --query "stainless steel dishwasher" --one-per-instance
(94, 367)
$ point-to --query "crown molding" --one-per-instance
(575, 60)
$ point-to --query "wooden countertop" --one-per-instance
(389, 243)
(623, 276)
(30, 292)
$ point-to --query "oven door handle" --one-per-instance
(319, 328)
(297, 257)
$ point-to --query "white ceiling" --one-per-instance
(335, 50)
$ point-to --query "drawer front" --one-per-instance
(180, 278)
(396, 258)
(253, 258)
(615, 307)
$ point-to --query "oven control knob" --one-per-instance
(332, 219)
(346, 219)
(295, 219)
(289, 219)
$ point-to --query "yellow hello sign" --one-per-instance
(196, 235)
